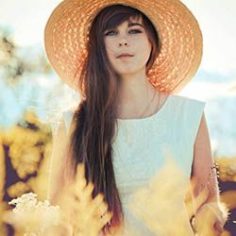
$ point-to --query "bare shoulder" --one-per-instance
(202, 137)
(202, 149)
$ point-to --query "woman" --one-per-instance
(127, 59)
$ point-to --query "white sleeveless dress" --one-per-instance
(140, 148)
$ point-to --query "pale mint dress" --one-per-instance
(140, 148)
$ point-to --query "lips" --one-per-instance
(124, 55)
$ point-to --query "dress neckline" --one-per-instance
(157, 114)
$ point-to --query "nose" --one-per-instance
(123, 41)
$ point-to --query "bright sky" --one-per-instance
(217, 20)
(216, 17)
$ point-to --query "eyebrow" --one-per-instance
(134, 23)
(131, 24)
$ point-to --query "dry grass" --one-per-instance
(159, 205)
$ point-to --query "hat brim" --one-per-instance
(66, 33)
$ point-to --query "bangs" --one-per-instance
(118, 19)
(115, 15)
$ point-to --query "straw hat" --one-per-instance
(66, 33)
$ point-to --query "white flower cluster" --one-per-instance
(33, 216)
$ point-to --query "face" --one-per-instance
(128, 47)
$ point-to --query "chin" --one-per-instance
(128, 71)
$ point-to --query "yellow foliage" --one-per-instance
(39, 184)
(229, 198)
(160, 205)
(2, 170)
(227, 168)
(30, 216)
(3, 206)
(80, 210)
(80, 214)
(207, 216)
(26, 146)
(164, 212)
(27, 149)
(18, 189)
(25, 160)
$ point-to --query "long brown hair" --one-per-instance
(95, 118)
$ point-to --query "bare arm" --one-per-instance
(57, 162)
(204, 170)
(205, 176)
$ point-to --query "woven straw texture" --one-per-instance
(67, 30)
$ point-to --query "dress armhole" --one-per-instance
(195, 113)
(68, 117)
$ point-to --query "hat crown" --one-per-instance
(66, 35)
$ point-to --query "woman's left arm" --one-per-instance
(205, 176)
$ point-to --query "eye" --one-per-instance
(114, 32)
(110, 32)
(135, 31)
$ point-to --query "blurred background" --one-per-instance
(32, 97)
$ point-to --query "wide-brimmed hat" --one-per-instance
(66, 34)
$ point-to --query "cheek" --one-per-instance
(144, 48)
(109, 46)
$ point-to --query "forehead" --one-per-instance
(133, 20)
(138, 19)
(117, 20)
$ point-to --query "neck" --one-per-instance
(135, 93)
